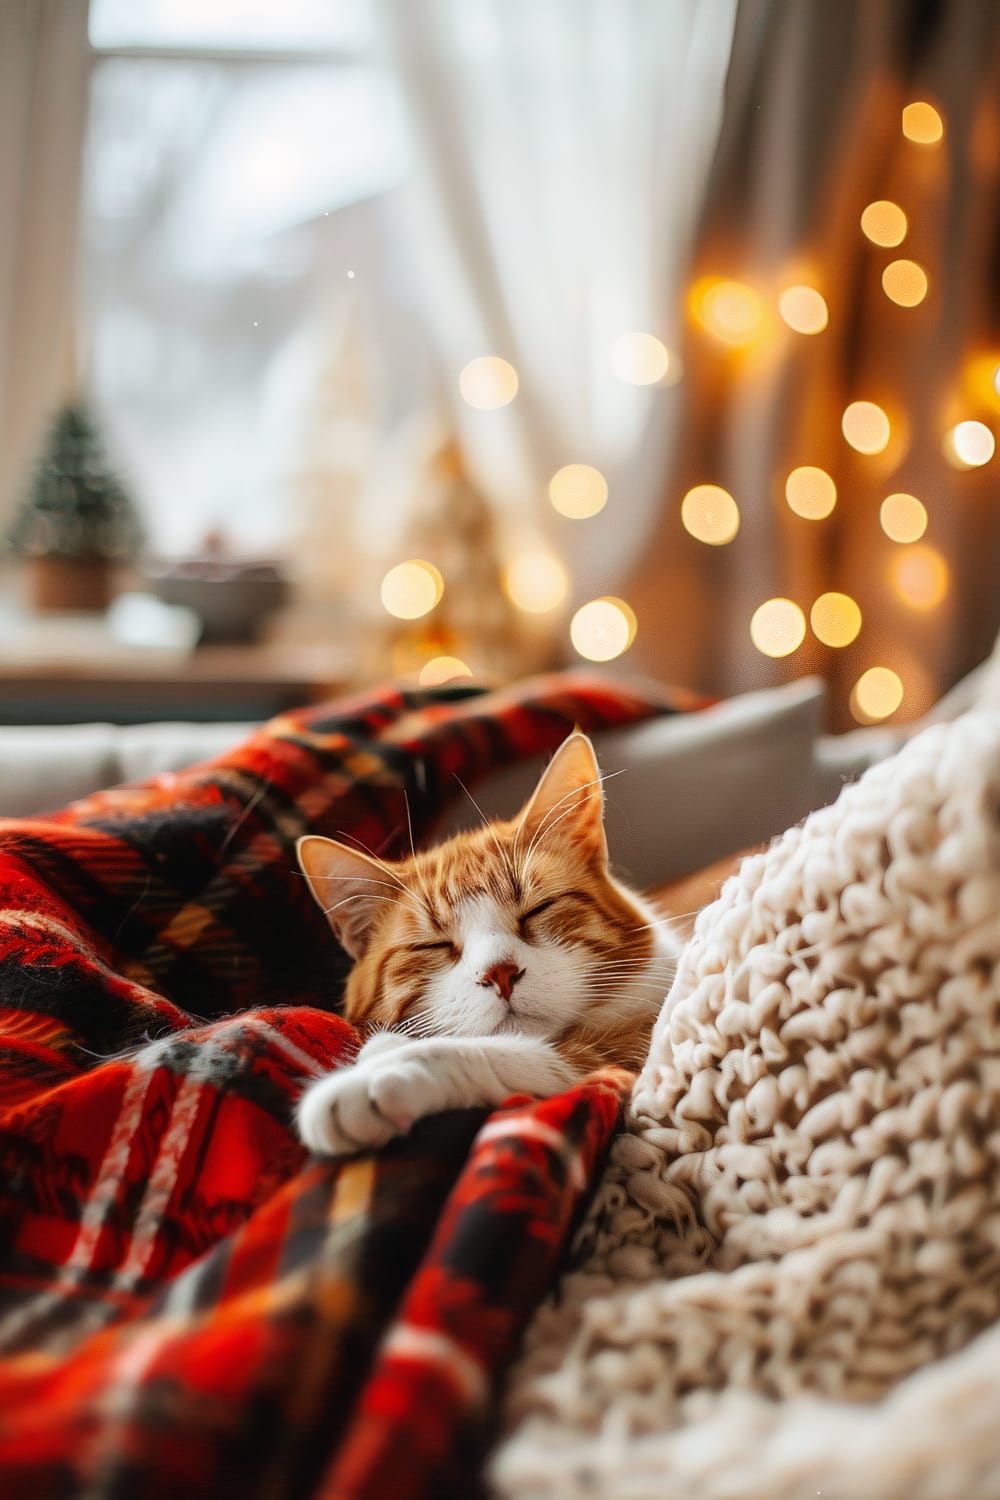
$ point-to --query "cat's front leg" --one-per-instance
(384, 1093)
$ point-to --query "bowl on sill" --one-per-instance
(233, 600)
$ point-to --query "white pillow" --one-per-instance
(693, 787)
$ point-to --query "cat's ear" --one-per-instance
(567, 806)
(350, 888)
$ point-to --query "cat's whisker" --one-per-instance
(361, 896)
(389, 885)
(574, 793)
(545, 828)
(386, 869)
(668, 921)
(498, 843)
(425, 894)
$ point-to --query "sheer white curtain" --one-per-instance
(44, 63)
(561, 150)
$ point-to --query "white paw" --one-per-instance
(362, 1107)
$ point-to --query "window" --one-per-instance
(240, 162)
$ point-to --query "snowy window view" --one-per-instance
(240, 163)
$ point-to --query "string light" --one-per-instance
(441, 669)
(578, 491)
(603, 629)
(536, 582)
(810, 492)
(778, 627)
(904, 282)
(488, 382)
(903, 518)
(640, 358)
(710, 514)
(996, 380)
(920, 577)
(969, 445)
(884, 223)
(922, 124)
(803, 309)
(866, 427)
(729, 310)
(412, 589)
(876, 694)
(835, 619)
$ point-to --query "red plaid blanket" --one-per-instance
(189, 1306)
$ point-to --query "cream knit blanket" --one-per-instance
(790, 1283)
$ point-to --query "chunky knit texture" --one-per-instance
(790, 1282)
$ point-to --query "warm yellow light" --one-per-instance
(443, 669)
(778, 627)
(810, 492)
(969, 445)
(922, 124)
(603, 629)
(904, 282)
(884, 223)
(710, 514)
(996, 380)
(411, 589)
(640, 358)
(804, 309)
(578, 491)
(835, 619)
(903, 518)
(866, 427)
(488, 382)
(536, 582)
(876, 694)
(730, 311)
(920, 576)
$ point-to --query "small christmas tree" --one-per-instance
(76, 517)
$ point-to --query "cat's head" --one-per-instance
(515, 927)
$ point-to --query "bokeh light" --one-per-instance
(835, 619)
(922, 123)
(640, 358)
(441, 669)
(903, 518)
(866, 427)
(778, 627)
(810, 492)
(603, 628)
(969, 445)
(730, 311)
(884, 223)
(904, 282)
(710, 514)
(536, 581)
(488, 382)
(920, 576)
(578, 491)
(411, 589)
(803, 309)
(876, 694)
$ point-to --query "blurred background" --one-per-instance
(346, 339)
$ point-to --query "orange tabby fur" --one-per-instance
(389, 980)
(509, 953)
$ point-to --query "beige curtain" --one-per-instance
(812, 135)
(43, 93)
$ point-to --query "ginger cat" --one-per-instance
(507, 960)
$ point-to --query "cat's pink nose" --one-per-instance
(502, 977)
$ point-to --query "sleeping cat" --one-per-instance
(507, 960)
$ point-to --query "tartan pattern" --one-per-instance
(187, 1304)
